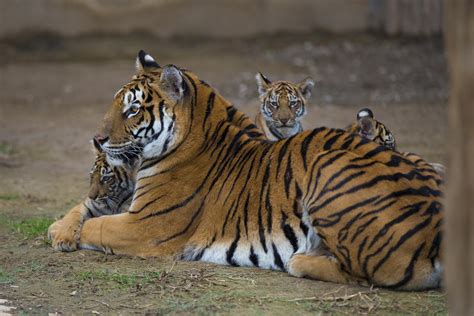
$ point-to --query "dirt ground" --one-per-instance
(54, 93)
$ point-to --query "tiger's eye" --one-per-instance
(132, 111)
(293, 103)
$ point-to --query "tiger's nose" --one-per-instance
(284, 121)
(101, 139)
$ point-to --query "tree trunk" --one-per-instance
(459, 245)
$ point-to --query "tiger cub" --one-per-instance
(282, 106)
(369, 128)
(111, 187)
(110, 192)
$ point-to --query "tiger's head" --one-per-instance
(111, 185)
(283, 102)
(369, 128)
(147, 118)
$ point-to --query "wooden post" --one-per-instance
(459, 245)
(406, 17)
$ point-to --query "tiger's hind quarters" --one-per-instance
(327, 268)
(322, 268)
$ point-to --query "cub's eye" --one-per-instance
(294, 103)
(106, 178)
(274, 103)
(132, 111)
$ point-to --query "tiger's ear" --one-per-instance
(306, 86)
(171, 82)
(145, 62)
(365, 112)
(263, 83)
(97, 148)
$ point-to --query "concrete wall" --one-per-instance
(166, 18)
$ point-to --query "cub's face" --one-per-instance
(369, 128)
(102, 179)
(282, 102)
(142, 120)
(106, 181)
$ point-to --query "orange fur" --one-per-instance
(208, 190)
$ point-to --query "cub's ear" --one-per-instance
(365, 112)
(306, 86)
(263, 83)
(145, 62)
(171, 82)
(97, 148)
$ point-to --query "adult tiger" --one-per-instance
(282, 106)
(208, 191)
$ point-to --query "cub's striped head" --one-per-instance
(369, 128)
(145, 117)
(109, 185)
(283, 102)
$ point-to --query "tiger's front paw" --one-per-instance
(63, 236)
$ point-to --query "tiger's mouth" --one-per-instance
(283, 125)
(368, 135)
(124, 153)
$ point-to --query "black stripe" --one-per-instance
(269, 209)
(231, 210)
(288, 231)
(253, 257)
(210, 106)
(401, 241)
(435, 245)
(277, 259)
(422, 191)
(261, 229)
(305, 144)
(412, 210)
(246, 215)
(361, 248)
(330, 142)
(230, 252)
(288, 176)
(182, 232)
(283, 151)
(409, 270)
(360, 229)
(375, 253)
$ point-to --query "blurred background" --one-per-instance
(61, 62)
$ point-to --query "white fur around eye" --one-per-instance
(133, 110)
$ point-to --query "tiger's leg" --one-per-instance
(321, 268)
(123, 234)
(64, 233)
